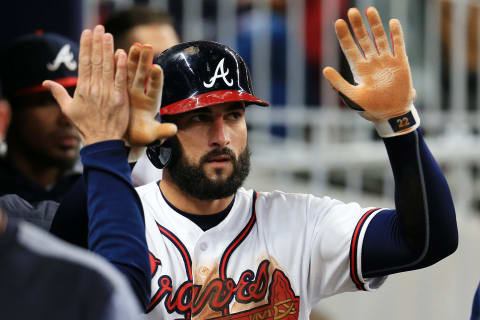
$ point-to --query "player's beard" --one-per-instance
(192, 179)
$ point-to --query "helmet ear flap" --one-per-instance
(160, 155)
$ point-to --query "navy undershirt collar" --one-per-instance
(206, 221)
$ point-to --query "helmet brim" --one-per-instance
(209, 99)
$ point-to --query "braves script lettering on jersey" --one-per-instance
(273, 257)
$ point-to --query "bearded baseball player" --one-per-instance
(220, 251)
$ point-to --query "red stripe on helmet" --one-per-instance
(209, 99)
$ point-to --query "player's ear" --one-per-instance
(5, 117)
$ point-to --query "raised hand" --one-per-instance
(145, 83)
(99, 108)
(383, 92)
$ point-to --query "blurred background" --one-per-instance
(308, 141)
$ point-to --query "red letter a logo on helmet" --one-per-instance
(219, 73)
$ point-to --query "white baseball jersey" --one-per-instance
(274, 256)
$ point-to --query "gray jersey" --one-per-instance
(40, 214)
(45, 278)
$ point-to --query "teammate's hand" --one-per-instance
(145, 83)
(383, 92)
(99, 108)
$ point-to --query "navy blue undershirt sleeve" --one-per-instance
(116, 226)
(71, 219)
(422, 229)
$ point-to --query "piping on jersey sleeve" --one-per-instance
(355, 251)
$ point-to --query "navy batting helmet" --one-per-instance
(199, 74)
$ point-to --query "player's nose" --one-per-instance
(219, 133)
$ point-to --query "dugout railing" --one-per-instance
(323, 146)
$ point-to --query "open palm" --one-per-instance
(383, 81)
(145, 83)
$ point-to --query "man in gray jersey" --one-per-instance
(45, 278)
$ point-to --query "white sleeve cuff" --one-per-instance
(399, 125)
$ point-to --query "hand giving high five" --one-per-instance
(383, 92)
(145, 83)
(101, 107)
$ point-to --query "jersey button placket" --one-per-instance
(202, 270)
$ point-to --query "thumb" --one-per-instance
(59, 93)
(336, 80)
(165, 130)
(146, 132)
